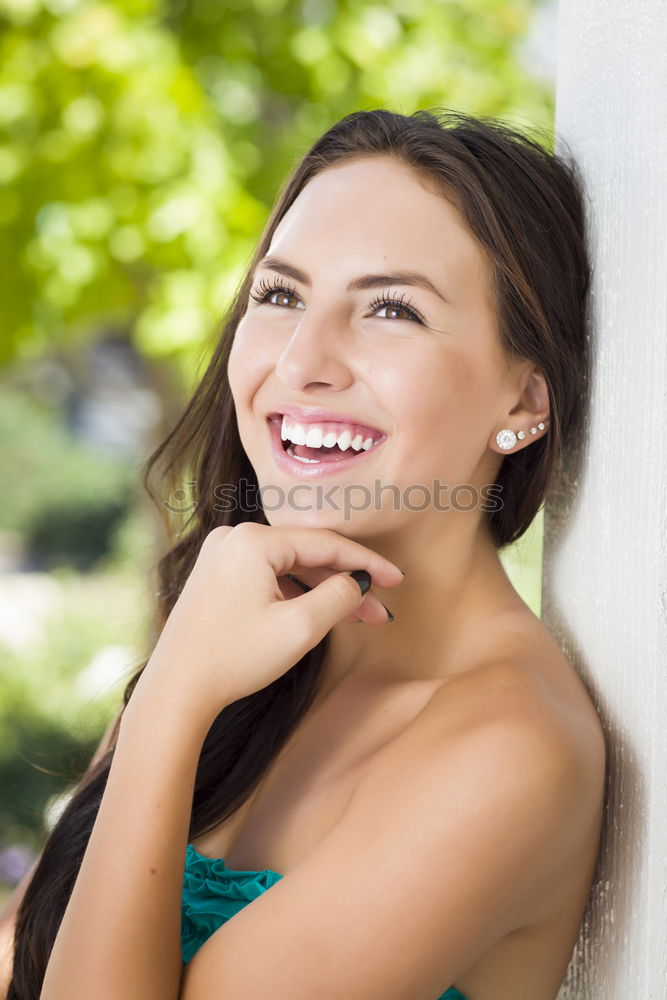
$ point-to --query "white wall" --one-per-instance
(605, 548)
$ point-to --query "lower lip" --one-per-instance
(315, 470)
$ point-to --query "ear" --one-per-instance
(529, 412)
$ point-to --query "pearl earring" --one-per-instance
(506, 438)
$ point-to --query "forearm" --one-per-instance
(120, 934)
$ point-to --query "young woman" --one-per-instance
(413, 806)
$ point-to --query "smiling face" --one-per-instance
(333, 323)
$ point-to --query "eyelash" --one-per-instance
(265, 289)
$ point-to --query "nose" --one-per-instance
(314, 355)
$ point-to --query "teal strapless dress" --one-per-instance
(212, 893)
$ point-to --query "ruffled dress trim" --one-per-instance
(212, 893)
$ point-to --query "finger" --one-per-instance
(300, 587)
(371, 611)
(318, 547)
(288, 588)
(313, 614)
(222, 530)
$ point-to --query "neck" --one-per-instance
(454, 585)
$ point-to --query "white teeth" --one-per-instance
(300, 458)
(314, 438)
(297, 435)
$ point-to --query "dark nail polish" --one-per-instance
(363, 578)
(298, 582)
(391, 617)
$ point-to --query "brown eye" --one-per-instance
(266, 292)
(398, 309)
(279, 296)
(396, 305)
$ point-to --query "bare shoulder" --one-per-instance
(504, 749)
(538, 704)
(506, 702)
(521, 674)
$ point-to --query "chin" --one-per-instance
(331, 520)
(288, 517)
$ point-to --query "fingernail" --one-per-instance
(363, 578)
(391, 617)
(298, 582)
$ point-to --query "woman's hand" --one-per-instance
(233, 630)
(371, 611)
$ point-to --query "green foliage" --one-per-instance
(68, 641)
(142, 142)
(63, 497)
(61, 684)
(39, 758)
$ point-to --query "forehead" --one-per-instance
(376, 210)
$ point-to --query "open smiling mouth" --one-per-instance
(328, 442)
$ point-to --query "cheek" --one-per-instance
(441, 406)
(246, 368)
(434, 390)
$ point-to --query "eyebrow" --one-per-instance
(364, 281)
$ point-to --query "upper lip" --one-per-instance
(315, 415)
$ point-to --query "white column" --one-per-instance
(605, 546)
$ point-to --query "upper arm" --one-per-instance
(10, 910)
(438, 854)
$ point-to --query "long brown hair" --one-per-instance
(524, 204)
